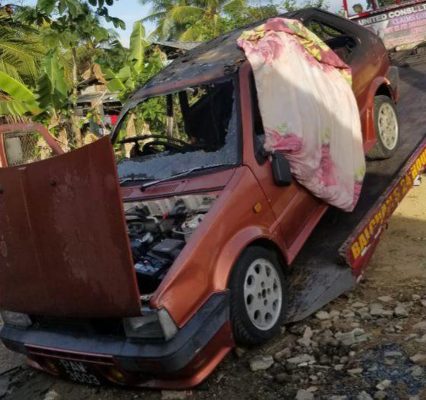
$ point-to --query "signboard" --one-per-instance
(402, 27)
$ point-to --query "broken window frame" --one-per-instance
(234, 78)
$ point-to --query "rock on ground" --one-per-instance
(419, 358)
(174, 394)
(303, 394)
(260, 363)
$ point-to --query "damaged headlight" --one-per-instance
(153, 324)
(15, 319)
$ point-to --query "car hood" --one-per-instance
(64, 250)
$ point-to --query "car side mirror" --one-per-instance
(281, 169)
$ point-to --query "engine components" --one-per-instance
(158, 231)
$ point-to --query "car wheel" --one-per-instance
(257, 288)
(387, 129)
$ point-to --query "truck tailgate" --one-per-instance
(64, 249)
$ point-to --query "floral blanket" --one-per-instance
(308, 109)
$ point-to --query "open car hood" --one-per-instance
(64, 249)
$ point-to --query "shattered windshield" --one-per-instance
(191, 130)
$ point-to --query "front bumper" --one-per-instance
(183, 361)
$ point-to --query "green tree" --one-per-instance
(112, 55)
(21, 53)
(192, 20)
(20, 49)
(237, 16)
(72, 31)
(161, 15)
(199, 20)
(142, 62)
(292, 5)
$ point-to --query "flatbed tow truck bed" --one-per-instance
(340, 247)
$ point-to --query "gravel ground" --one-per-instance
(368, 344)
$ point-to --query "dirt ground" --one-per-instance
(398, 270)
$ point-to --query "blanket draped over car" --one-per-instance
(308, 109)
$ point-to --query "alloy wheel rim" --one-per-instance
(388, 126)
(262, 294)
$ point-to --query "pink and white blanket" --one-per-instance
(308, 109)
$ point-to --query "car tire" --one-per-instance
(257, 298)
(386, 126)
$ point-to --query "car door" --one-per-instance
(296, 210)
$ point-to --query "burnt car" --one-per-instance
(146, 272)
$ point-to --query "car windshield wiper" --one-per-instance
(133, 178)
(185, 173)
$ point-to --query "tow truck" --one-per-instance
(130, 342)
(341, 261)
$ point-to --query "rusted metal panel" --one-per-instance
(64, 250)
(33, 127)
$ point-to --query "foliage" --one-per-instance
(20, 56)
(72, 11)
(137, 47)
(73, 32)
(192, 20)
(113, 55)
(237, 17)
(53, 87)
(142, 63)
(292, 5)
(15, 97)
(72, 27)
(20, 49)
(69, 24)
(199, 20)
(161, 16)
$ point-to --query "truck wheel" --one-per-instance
(257, 296)
(387, 129)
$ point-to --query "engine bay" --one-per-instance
(158, 231)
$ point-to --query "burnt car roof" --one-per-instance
(212, 59)
(209, 60)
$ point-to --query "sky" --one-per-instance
(131, 10)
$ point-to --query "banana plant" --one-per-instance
(16, 98)
(53, 88)
(20, 55)
(128, 77)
